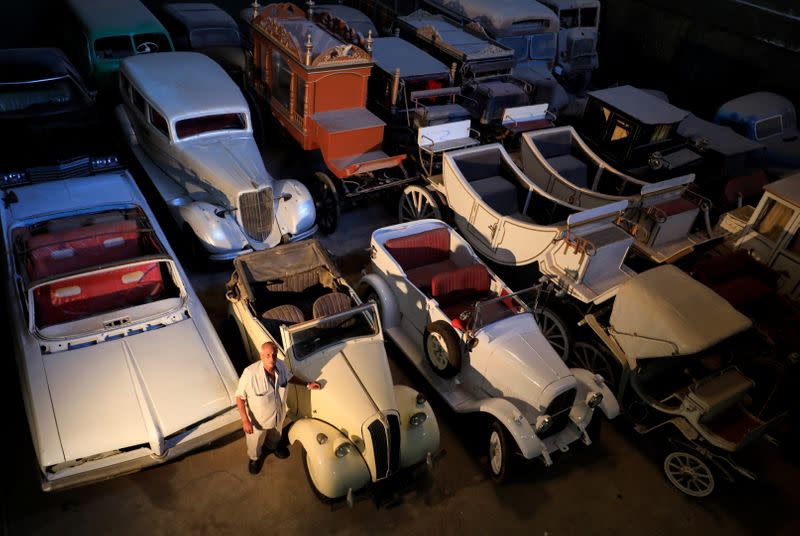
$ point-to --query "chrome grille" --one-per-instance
(75, 167)
(255, 213)
(582, 47)
(378, 435)
(558, 409)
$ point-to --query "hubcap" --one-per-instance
(495, 452)
(689, 474)
(437, 350)
(417, 205)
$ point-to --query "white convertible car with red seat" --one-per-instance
(119, 364)
(478, 344)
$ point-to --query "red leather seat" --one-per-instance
(422, 255)
(97, 293)
(65, 251)
(460, 288)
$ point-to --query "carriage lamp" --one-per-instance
(543, 423)
(420, 399)
(417, 419)
(593, 399)
(342, 450)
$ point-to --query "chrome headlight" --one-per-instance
(417, 419)
(593, 399)
(322, 438)
(103, 163)
(342, 450)
(543, 423)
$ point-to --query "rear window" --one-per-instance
(39, 97)
(215, 37)
(771, 126)
(116, 47)
(186, 128)
(152, 42)
(569, 18)
(589, 17)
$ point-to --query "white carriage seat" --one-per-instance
(716, 394)
(445, 137)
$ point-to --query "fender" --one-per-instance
(125, 124)
(295, 216)
(390, 312)
(332, 476)
(516, 424)
(219, 235)
(587, 381)
(415, 442)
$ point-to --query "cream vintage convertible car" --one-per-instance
(359, 428)
(119, 364)
(479, 346)
(189, 127)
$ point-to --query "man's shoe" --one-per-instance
(254, 467)
(282, 453)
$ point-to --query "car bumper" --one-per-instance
(136, 460)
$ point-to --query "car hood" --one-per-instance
(357, 384)
(134, 390)
(522, 363)
(229, 164)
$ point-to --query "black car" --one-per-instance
(207, 29)
(49, 121)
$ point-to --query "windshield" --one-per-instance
(518, 44)
(83, 242)
(186, 128)
(504, 306)
(543, 47)
(310, 337)
(41, 97)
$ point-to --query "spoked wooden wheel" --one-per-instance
(418, 203)
(689, 473)
(326, 203)
(555, 331)
(588, 356)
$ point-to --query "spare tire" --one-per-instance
(443, 348)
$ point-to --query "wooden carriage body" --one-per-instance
(316, 87)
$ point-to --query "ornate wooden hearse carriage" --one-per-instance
(315, 84)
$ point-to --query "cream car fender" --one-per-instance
(332, 476)
(415, 441)
(218, 234)
(516, 424)
(589, 382)
(294, 207)
(390, 313)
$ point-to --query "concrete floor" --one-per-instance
(615, 486)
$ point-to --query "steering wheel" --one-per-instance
(146, 48)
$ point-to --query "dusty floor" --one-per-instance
(616, 486)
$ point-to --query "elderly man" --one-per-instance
(261, 398)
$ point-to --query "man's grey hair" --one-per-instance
(271, 345)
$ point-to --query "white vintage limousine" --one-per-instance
(189, 126)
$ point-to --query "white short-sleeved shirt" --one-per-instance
(264, 399)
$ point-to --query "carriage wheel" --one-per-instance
(326, 203)
(555, 330)
(588, 356)
(418, 203)
(688, 472)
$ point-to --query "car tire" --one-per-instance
(687, 470)
(326, 203)
(500, 448)
(371, 295)
(442, 348)
(555, 330)
(320, 496)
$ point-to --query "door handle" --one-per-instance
(493, 228)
